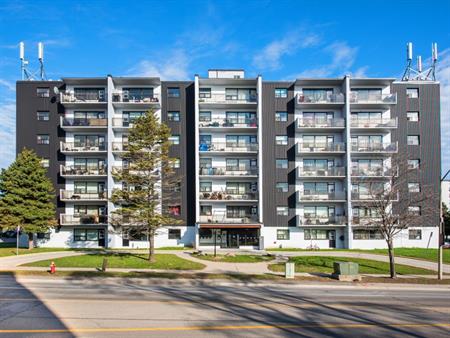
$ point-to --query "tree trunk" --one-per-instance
(151, 247)
(391, 258)
(30, 241)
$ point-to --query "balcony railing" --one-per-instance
(80, 171)
(228, 196)
(367, 196)
(121, 122)
(121, 97)
(330, 98)
(90, 97)
(246, 219)
(229, 99)
(374, 147)
(304, 147)
(119, 146)
(77, 196)
(318, 220)
(374, 172)
(87, 122)
(311, 195)
(228, 171)
(228, 147)
(66, 219)
(365, 220)
(320, 123)
(230, 123)
(374, 98)
(374, 123)
(321, 172)
(77, 147)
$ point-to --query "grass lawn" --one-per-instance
(314, 264)
(7, 249)
(235, 259)
(123, 260)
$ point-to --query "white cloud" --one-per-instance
(269, 58)
(7, 84)
(175, 67)
(7, 133)
(443, 75)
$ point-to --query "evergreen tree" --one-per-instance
(147, 182)
(26, 196)
(446, 216)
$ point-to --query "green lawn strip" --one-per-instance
(235, 258)
(324, 264)
(123, 260)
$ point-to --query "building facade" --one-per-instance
(262, 164)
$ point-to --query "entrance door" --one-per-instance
(101, 237)
(332, 238)
(233, 239)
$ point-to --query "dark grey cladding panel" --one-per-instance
(271, 151)
(428, 129)
(28, 127)
(185, 150)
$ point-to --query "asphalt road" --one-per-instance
(42, 307)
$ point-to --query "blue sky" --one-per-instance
(177, 39)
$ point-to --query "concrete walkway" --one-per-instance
(11, 262)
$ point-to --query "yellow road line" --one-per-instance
(226, 327)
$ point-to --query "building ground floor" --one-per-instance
(236, 236)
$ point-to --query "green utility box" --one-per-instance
(346, 268)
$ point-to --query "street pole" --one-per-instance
(215, 242)
(441, 230)
(17, 240)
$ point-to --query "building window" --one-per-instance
(412, 93)
(174, 233)
(414, 164)
(367, 234)
(282, 187)
(205, 186)
(283, 234)
(204, 93)
(415, 234)
(176, 163)
(45, 162)
(282, 211)
(318, 234)
(175, 210)
(204, 116)
(43, 115)
(281, 92)
(206, 210)
(173, 92)
(43, 235)
(43, 92)
(413, 187)
(174, 139)
(43, 139)
(173, 116)
(281, 140)
(281, 163)
(281, 116)
(415, 210)
(413, 140)
(412, 116)
(83, 235)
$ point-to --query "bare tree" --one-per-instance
(394, 206)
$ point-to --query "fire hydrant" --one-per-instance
(52, 267)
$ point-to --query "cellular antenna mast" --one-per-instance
(29, 75)
(420, 74)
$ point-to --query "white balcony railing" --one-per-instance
(77, 147)
(322, 220)
(319, 99)
(230, 123)
(122, 97)
(246, 219)
(373, 98)
(218, 98)
(374, 123)
(81, 196)
(320, 123)
(89, 97)
(227, 171)
(306, 147)
(311, 195)
(228, 196)
(82, 171)
(66, 219)
(374, 172)
(227, 147)
(119, 146)
(321, 172)
(69, 122)
(374, 147)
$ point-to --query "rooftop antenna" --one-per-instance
(26, 74)
(419, 74)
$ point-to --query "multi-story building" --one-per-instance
(262, 163)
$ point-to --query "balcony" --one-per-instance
(77, 124)
(325, 148)
(368, 124)
(221, 196)
(226, 147)
(85, 172)
(310, 123)
(72, 196)
(220, 100)
(124, 100)
(375, 148)
(122, 123)
(119, 147)
(66, 219)
(373, 98)
(76, 148)
(316, 196)
(369, 197)
(227, 124)
(312, 220)
(228, 171)
(374, 172)
(320, 172)
(365, 220)
(246, 219)
(95, 98)
(329, 100)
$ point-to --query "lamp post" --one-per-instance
(441, 229)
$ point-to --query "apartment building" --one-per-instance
(262, 163)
